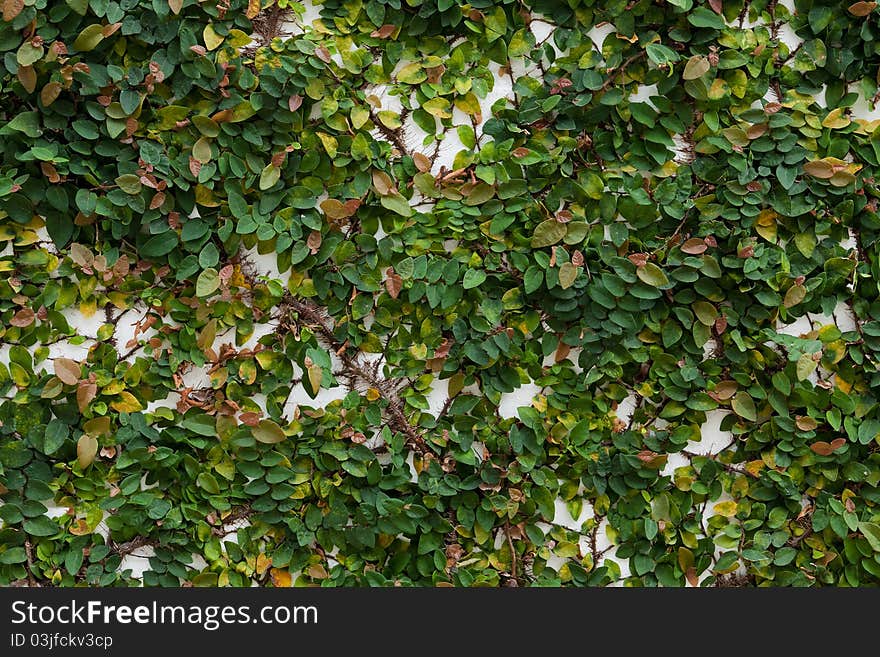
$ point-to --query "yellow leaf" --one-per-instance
(765, 225)
(281, 578)
(253, 9)
(263, 563)
(836, 119)
(726, 509)
(127, 404)
(88, 307)
(212, 39)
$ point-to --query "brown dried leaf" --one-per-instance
(24, 317)
(85, 393)
(861, 9)
(313, 241)
(50, 172)
(11, 9)
(393, 284)
(423, 164)
(49, 93)
(323, 54)
(67, 370)
(28, 78)
(294, 102)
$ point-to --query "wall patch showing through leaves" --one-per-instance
(421, 292)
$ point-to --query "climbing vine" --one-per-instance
(668, 223)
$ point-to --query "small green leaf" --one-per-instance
(473, 278)
(269, 176)
(744, 406)
(208, 282)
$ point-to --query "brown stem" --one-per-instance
(387, 388)
(620, 69)
(29, 556)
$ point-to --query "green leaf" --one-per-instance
(705, 17)
(13, 555)
(548, 233)
(397, 204)
(41, 526)
(159, 245)
(696, 67)
(871, 531)
(89, 38)
(652, 275)
(56, 434)
(473, 278)
(26, 122)
(129, 183)
(568, 274)
(805, 366)
(744, 406)
(208, 282)
(269, 176)
(268, 432)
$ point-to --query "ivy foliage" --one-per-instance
(667, 186)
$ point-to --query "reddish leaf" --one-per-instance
(383, 32)
(716, 6)
(821, 448)
(85, 393)
(694, 246)
(294, 102)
